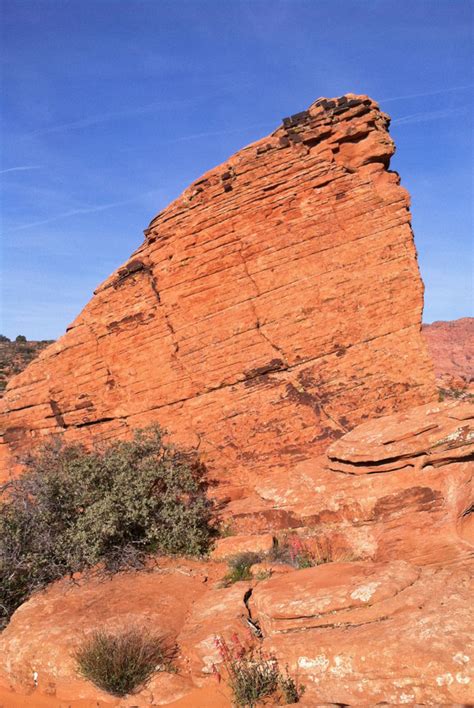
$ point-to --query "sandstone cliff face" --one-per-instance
(272, 307)
(451, 346)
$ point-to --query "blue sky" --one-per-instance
(111, 107)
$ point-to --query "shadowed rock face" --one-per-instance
(272, 307)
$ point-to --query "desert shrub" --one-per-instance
(462, 394)
(73, 509)
(122, 663)
(239, 567)
(252, 675)
(291, 691)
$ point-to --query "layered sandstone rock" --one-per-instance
(272, 307)
(396, 487)
(451, 346)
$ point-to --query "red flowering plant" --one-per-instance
(303, 553)
(252, 674)
(300, 554)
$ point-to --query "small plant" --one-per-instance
(263, 574)
(239, 567)
(226, 529)
(303, 554)
(122, 663)
(291, 691)
(253, 675)
(455, 393)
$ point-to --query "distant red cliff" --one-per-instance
(451, 345)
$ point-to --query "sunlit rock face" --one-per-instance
(271, 308)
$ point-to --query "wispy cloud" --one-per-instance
(427, 93)
(83, 210)
(423, 116)
(152, 107)
(21, 168)
(103, 118)
(230, 131)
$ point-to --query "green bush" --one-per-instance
(74, 508)
(122, 663)
(239, 567)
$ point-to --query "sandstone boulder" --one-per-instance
(271, 308)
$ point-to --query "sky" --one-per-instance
(110, 108)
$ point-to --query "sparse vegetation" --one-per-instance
(16, 355)
(291, 691)
(122, 663)
(226, 529)
(253, 675)
(291, 550)
(73, 509)
(239, 567)
(459, 394)
(303, 553)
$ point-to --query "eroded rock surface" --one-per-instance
(272, 307)
(390, 634)
(37, 647)
(399, 487)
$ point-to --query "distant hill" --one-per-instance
(16, 355)
(451, 345)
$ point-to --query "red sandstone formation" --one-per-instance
(272, 307)
(451, 346)
(272, 311)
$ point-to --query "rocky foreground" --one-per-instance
(272, 320)
(388, 621)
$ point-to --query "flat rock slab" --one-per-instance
(417, 648)
(333, 594)
(429, 435)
